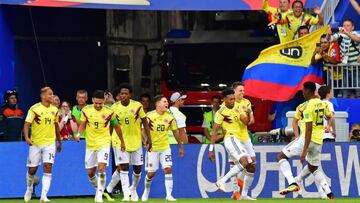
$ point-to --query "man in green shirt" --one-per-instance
(209, 120)
(81, 98)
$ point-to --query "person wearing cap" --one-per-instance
(177, 102)
(11, 118)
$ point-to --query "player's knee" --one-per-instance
(167, 170)
(91, 173)
(312, 169)
(47, 167)
(250, 168)
(32, 170)
(150, 175)
(137, 169)
(124, 167)
(280, 156)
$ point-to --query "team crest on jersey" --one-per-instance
(103, 116)
(132, 111)
(244, 108)
(165, 120)
(52, 113)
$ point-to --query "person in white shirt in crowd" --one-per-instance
(177, 102)
(330, 131)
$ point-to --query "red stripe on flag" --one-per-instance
(276, 92)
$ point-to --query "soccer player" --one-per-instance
(43, 119)
(160, 121)
(245, 105)
(330, 131)
(230, 117)
(296, 147)
(97, 119)
(130, 115)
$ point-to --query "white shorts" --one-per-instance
(294, 148)
(92, 158)
(249, 147)
(235, 149)
(133, 158)
(154, 158)
(46, 154)
(313, 156)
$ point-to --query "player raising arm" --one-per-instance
(160, 121)
(97, 119)
(43, 119)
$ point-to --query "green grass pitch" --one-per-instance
(193, 200)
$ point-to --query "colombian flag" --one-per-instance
(280, 71)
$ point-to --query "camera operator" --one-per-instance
(354, 134)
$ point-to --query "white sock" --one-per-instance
(46, 181)
(101, 183)
(168, 184)
(147, 183)
(320, 179)
(124, 177)
(303, 174)
(241, 175)
(29, 181)
(248, 179)
(135, 179)
(233, 172)
(94, 181)
(286, 170)
(236, 187)
(114, 181)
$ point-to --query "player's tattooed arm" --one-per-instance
(148, 142)
(179, 141)
(308, 133)
(119, 133)
(26, 133)
(80, 130)
(216, 128)
(58, 137)
(295, 127)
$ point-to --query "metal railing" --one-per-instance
(327, 9)
(343, 77)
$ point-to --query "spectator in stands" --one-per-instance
(56, 101)
(109, 99)
(302, 31)
(145, 101)
(67, 122)
(177, 102)
(354, 134)
(81, 99)
(348, 41)
(298, 18)
(276, 15)
(330, 131)
(355, 5)
(11, 118)
(327, 53)
(208, 121)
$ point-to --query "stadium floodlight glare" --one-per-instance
(222, 85)
(114, 2)
(204, 85)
